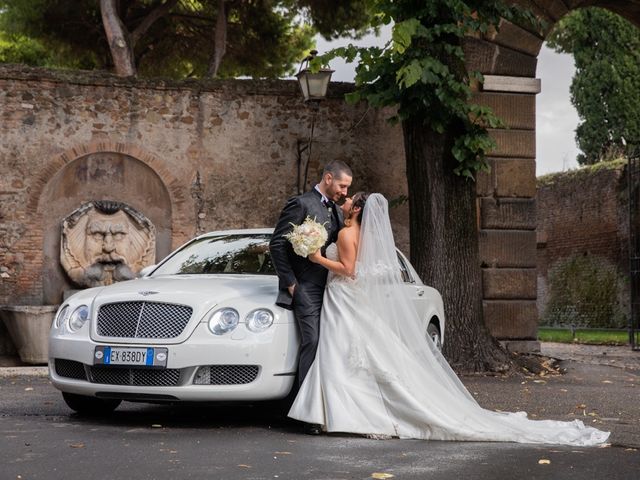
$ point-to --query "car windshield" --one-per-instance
(240, 253)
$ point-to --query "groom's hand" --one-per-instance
(291, 289)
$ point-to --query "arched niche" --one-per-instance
(99, 176)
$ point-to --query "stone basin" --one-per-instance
(29, 326)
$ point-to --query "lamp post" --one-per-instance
(313, 85)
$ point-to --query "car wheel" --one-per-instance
(433, 331)
(93, 406)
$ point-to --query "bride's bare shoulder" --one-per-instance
(348, 234)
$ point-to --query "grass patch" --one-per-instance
(589, 336)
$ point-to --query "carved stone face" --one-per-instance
(106, 240)
(100, 248)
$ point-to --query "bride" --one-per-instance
(376, 373)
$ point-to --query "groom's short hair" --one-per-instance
(337, 168)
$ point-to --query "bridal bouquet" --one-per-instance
(308, 237)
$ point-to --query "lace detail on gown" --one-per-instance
(357, 355)
(334, 278)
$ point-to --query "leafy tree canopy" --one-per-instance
(606, 86)
(264, 38)
(422, 71)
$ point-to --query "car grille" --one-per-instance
(226, 374)
(70, 369)
(135, 376)
(142, 319)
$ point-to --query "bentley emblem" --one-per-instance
(144, 293)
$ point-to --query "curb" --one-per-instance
(24, 372)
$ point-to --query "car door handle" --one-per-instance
(420, 293)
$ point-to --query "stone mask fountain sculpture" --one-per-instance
(105, 242)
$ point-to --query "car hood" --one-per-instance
(201, 292)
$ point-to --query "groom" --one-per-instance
(301, 282)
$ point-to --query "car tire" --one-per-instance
(433, 332)
(90, 406)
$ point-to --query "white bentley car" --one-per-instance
(201, 325)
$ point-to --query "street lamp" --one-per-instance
(314, 89)
(313, 84)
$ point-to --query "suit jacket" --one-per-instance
(290, 267)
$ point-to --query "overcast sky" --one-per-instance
(556, 119)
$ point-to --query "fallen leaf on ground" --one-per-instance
(381, 476)
(76, 445)
(544, 461)
(28, 389)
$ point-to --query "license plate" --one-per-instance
(131, 356)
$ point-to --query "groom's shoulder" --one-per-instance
(310, 196)
(302, 200)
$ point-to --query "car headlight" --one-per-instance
(223, 321)
(78, 318)
(259, 320)
(62, 314)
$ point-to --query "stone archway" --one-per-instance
(506, 195)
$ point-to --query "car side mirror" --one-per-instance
(146, 270)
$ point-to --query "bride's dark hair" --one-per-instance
(359, 199)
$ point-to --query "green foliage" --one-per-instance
(606, 87)
(580, 173)
(264, 39)
(21, 49)
(337, 18)
(422, 70)
(584, 291)
(591, 337)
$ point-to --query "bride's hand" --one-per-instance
(315, 257)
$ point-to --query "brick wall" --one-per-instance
(196, 156)
(191, 156)
(583, 213)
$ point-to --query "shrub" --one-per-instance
(585, 291)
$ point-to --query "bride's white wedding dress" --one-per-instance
(376, 373)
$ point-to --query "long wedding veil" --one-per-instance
(394, 312)
(420, 391)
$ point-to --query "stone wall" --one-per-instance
(198, 156)
(192, 157)
(583, 233)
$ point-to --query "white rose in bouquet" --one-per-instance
(308, 237)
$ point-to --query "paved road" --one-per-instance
(42, 439)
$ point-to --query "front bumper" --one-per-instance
(258, 366)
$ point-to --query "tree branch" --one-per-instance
(157, 13)
(118, 39)
(219, 41)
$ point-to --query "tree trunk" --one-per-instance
(219, 41)
(444, 246)
(118, 39)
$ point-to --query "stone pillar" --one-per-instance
(507, 215)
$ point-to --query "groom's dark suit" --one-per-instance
(308, 277)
